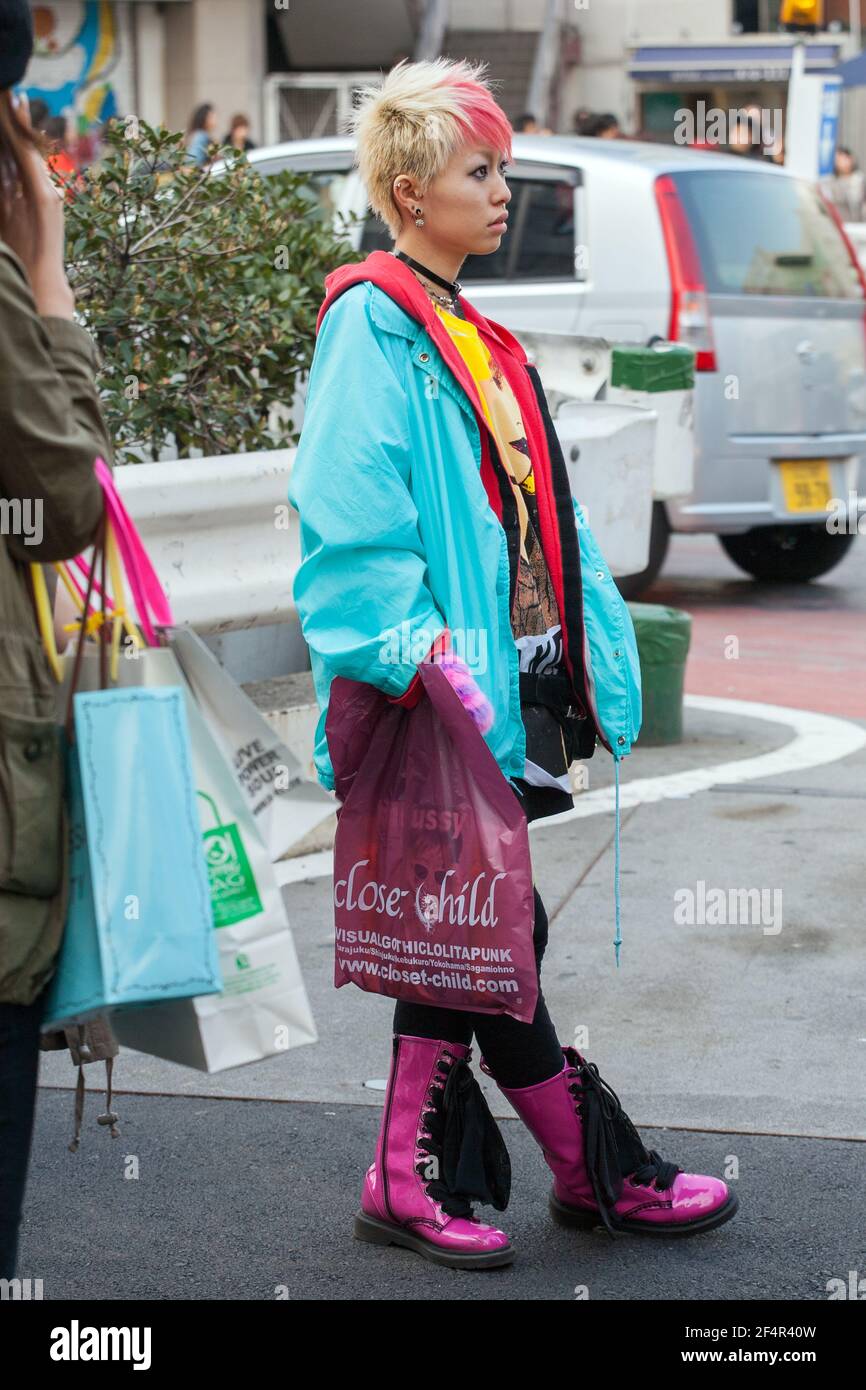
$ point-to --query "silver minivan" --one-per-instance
(632, 242)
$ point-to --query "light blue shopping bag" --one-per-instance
(139, 925)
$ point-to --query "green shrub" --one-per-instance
(201, 290)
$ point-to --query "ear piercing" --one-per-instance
(419, 220)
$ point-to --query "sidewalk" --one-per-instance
(727, 1031)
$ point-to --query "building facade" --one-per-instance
(292, 65)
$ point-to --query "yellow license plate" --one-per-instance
(806, 484)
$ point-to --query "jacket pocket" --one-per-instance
(31, 798)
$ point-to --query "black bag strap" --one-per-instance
(553, 689)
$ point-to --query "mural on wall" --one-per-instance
(77, 67)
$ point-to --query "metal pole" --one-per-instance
(136, 62)
(432, 32)
(795, 99)
(538, 94)
(854, 24)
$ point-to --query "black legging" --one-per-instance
(518, 1054)
(19, 1065)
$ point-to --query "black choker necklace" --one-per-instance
(452, 286)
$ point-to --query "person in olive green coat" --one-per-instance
(51, 430)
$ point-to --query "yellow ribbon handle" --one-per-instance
(46, 619)
(119, 613)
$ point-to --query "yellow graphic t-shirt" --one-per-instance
(535, 612)
(500, 409)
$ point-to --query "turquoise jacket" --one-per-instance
(401, 520)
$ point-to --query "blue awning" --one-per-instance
(727, 62)
(853, 73)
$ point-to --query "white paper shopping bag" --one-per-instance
(263, 1008)
(285, 803)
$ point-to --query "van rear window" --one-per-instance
(762, 234)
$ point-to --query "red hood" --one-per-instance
(398, 281)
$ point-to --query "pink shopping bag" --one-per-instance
(433, 893)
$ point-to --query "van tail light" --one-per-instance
(849, 245)
(690, 310)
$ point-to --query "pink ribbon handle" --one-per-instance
(151, 602)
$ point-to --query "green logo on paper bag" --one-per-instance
(233, 890)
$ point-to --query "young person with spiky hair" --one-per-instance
(434, 501)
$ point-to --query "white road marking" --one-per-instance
(818, 739)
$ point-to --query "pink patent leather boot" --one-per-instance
(601, 1170)
(416, 1192)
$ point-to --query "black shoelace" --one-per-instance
(472, 1159)
(612, 1146)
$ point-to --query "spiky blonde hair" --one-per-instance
(413, 121)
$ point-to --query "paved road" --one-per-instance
(799, 644)
(234, 1199)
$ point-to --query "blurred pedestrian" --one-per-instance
(845, 186)
(604, 126)
(528, 125)
(238, 133)
(51, 430)
(201, 132)
(39, 113)
(60, 160)
(745, 137)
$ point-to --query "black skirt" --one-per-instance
(538, 802)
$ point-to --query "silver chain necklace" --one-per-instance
(448, 300)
